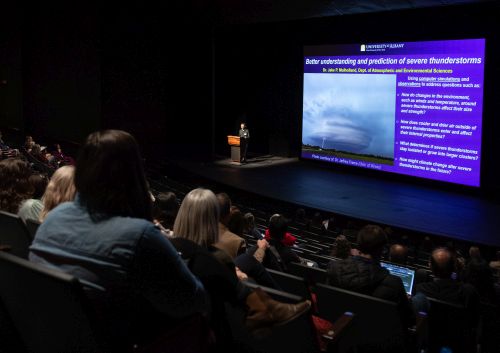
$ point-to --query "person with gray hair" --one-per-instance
(195, 234)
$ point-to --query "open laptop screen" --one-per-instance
(407, 275)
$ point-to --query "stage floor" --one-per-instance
(400, 204)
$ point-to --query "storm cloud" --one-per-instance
(350, 112)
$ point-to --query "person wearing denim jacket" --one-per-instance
(136, 281)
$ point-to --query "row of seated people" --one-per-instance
(106, 239)
(474, 269)
(30, 194)
(140, 281)
(316, 231)
(359, 269)
(7, 151)
(53, 157)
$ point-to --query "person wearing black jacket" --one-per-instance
(244, 134)
(364, 274)
(279, 256)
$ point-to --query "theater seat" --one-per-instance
(297, 336)
(14, 236)
(312, 275)
(48, 307)
(10, 341)
(32, 227)
(376, 326)
(291, 284)
(451, 325)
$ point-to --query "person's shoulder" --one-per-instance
(63, 210)
(187, 248)
(344, 265)
(220, 255)
(30, 204)
(228, 236)
(468, 289)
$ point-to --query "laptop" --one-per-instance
(407, 275)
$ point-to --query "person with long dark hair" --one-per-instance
(137, 282)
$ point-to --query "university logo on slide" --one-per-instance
(363, 47)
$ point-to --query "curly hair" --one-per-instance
(14, 184)
(341, 247)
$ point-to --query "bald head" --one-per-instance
(398, 254)
(442, 263)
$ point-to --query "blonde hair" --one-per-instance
(198, 218)
(61, 188)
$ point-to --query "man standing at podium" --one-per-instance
(244, 138)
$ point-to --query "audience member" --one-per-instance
(5, 150)
(250, 228)
(3, 145)
(61, 189)
(479, 274)
(195, 233)
(236, 221)
(398, 254)
(248, 264)
(60, 158)
(29, 143)
(363, 273)
(495, 264)
(279, 255)
(39, 153)
(427, 244)
(443, 286)
(317, 221)
(14, 184)
(330, 224)
(287, 240)
(228, 241)
(300, 217)
(31, 208)
(165, 208)
(133, 276)
(341, 247)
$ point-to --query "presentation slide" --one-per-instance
(411, 108)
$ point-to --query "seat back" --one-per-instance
(377, 323)
(451, 325)
(14, 235)
(10, 341)
(296, 336)
(312, 275)
(32, 227)
(48, 307)
(291, 284)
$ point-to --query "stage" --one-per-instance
(400, 204)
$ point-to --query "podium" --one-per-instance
(234, 142)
